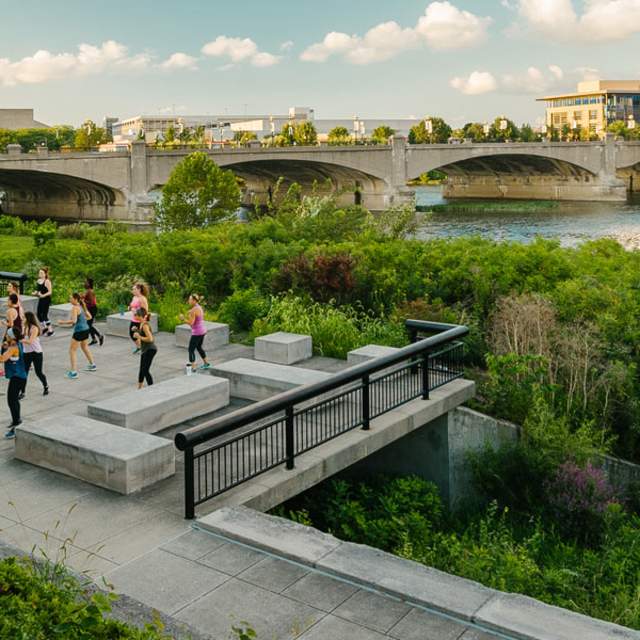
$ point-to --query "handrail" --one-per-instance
(220, 426)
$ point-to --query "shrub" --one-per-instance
(581, 497)
(242, 308)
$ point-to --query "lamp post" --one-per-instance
(356, 126)
(272, 128)
(362, 130)
(631, 122)
(486, 129)
(428, 127)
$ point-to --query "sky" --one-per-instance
(463, 60)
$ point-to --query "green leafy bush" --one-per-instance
(242, 308)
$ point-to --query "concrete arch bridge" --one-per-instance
(121, 185)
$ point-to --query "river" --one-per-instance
(569, 222)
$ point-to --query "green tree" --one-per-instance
(89, 135)
(527, 134)
(440, 132)
(381, 134)
(503, 130)
(305, 134)
(244, 137)
(287, 135)
(170, 134)
(620, 128)
(339, 136)
(565, 132)
(474, 131)
(197, 194)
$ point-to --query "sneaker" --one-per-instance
(204, 367)
(101, 339)
(72, 375)
(45, 391)
(91, 367)
(93, 342)
(10, 433)
(21, 395)
(51, 333)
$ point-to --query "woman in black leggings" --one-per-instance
(43, 290)
(146, 343)
(33, 352)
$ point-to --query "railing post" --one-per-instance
(189, 488)
(425, 375)
(288, 437)
(366, 407)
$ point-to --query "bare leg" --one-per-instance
(87, 352)
(73, 357)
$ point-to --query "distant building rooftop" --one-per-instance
(19, 119)
(599, 87)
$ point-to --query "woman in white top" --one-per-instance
(33, 350)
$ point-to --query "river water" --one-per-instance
(570, 222)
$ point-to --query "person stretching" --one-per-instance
(92, 306)
(147, 346)
(139, 301)
(195, 318)
(44, 288)
(13, 359)
(33, 352)
(80, 337)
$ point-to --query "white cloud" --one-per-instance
(180, 60)
(443, 26)
(44, 66)
(239, 50)
(287, 45)
(600, 20)
(478, 82)
(533, 80)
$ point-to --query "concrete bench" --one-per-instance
(59, 312)
(118, 324)
(217, 335)
(283, 348)
(165, 404)
(101, 454)
(369, 352)
(29, 303)
(255, 380)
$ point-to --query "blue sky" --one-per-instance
(460, 59)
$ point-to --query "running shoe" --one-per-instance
(93, 342)
(51, 333)
(72, 375)
(101, 339)
(204, 367)
(91, 367)
(45, 391)
(10, 433)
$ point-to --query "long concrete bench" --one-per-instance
(118, 324)
(283, 348)
(165, 404)
(29, 303)
(217, 335)
(102, 454)
(59, 312)
(255, 380)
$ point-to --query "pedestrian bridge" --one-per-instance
(124, 185)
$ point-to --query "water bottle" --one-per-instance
(121, 309)
(188, 370)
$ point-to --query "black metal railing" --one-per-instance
(272, 432)
(9, 276)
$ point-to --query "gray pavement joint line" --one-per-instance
(470, 624)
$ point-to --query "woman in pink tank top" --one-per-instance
(195, 318)
(139, 301)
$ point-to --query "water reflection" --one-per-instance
(570, 222)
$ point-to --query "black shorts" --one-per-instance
(81, 336)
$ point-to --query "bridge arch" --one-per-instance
(352, 185)
(43, 194)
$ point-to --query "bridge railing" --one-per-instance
(272, 432)
(6, 277)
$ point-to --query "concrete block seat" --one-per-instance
(101, 454)
(255, 380)
(369, 352)
(283, 348)
(29, 303)
(118, 324)
(217, 335)
(165, 404)
(59, 312)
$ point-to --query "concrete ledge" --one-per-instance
(59, 312)
(513, 616)
(165, 404)
(369, 352)
(283, 348)
(255, 380)
(118, 325)
(217, 335)
(29, 303)
(107, 456)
